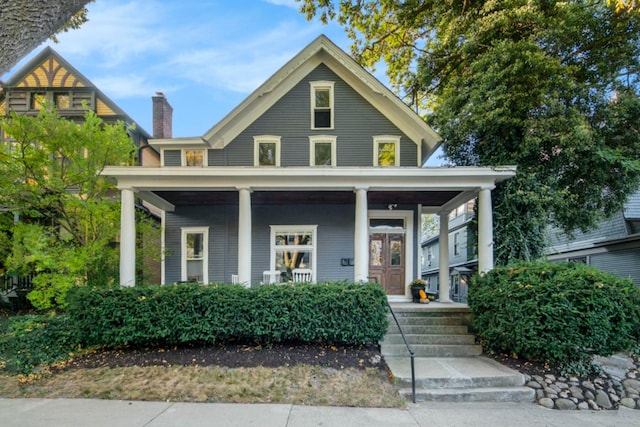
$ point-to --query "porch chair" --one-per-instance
(270, 276)
(301, 275)
(234, 279)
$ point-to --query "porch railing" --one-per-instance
(411, 354)
(9, 282)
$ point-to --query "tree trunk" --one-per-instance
(25, 24)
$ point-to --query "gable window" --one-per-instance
(62, 100)
(266, 151)
(195, 254)
(196, 157)
(322, 150)
(37, 100)
(322, 105)
(292, 247)
(386, 151)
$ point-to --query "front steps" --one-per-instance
(448, 364)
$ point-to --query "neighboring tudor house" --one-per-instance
(319, 169)
(614, 246)
(49, 78)
(463, 254)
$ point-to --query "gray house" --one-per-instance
(462, 256)
(315, 176)
(613, 246)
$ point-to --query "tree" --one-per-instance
(26, 24)
(625, 5)
(50, 175)
(548, 86)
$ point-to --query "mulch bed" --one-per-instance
(237, 355)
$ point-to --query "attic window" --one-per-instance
(266, 150)
(321, 105)
(37, 100)
(386, 151)
(194, 157)
(62, 100)
(322, 150)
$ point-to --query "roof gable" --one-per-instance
(323, 51)
(49, 70)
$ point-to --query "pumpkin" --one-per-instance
(423, 294)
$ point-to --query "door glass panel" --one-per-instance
(396, 252)
(375, 249)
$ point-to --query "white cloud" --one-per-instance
(126, 86)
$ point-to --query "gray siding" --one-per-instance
(623, 263)
(632, 207)
(172, 158)
(614, 228)
(356, 122)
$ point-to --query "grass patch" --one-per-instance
(299, 385)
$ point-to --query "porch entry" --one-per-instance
(387, 254)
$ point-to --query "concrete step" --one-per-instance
(431, 320)
(432, 350)
(428, 330)
(460, 379)
(488, 394)
(414, 339)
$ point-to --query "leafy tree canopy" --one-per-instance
(551, 87)
(50, 176)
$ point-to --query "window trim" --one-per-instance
(263, 139)
(377, 140)
(304, 228)
(322, 84)
(205, 252)
(313, 140)
(183, 157)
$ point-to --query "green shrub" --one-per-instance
(560, 313)
(194, 314)
(34, 340)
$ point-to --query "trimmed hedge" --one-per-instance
(340, 313)
(560, 313)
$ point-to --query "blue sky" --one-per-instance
(206, 56)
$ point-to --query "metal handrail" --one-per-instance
(411, 354)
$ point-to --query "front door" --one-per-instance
(386, 261)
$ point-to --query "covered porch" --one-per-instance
(365, 192)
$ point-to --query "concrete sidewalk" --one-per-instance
(115, 413)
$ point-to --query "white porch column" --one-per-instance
(127, 238)
(485, 231)
(244, 237)
(361, 238)
(443, 246)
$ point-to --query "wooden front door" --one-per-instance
(386, 261)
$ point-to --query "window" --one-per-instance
(321, 105)
(266, 151)
(322, 150)
(293, 246)
(456, 244)
(37, 100)
(195, 157)
(62, 100)
(386, 151)
(195, 242)
(429, 256)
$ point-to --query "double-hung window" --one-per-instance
(195, 254)
(266, 150)
(322, 105)
(293, 246)
(322, 150)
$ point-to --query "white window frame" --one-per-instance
(324, 139)
(265, 139)
(385, 139)
(322, 85)
(313, 248)
(205, 252)
(183, 157)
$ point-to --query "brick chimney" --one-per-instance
(162, 117)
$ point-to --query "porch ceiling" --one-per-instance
(191, 198)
